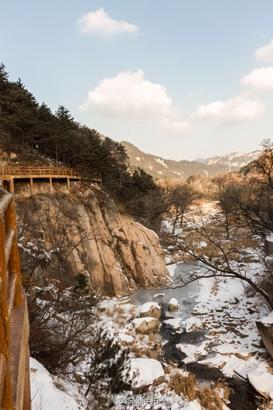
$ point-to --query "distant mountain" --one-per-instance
(234, 160)
(161, 168)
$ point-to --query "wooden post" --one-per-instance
(11, 185)
(14, 264)
(27, 395)
(31, 186)
(68, 184)
(4, 318)
(14, 326)
(50, 185)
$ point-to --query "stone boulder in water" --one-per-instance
(173, 305)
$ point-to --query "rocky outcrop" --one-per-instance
(117, 254)
(265, 327)
(151, 309)
(146, 325)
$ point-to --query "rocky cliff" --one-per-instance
(90, 235)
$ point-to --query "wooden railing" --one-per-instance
(17, 171)
(10, 174)
(14, 326)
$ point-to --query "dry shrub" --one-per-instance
(132, 311)
(121, 320)
(211, 398)
(184, 385)
(115, 310)
(118, 310)
(266, 405)
(152, 352)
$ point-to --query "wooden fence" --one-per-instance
(14, 325)
(24, 171)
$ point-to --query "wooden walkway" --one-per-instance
(10, 174)
(14, 325)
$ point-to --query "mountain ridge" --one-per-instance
(161, 168)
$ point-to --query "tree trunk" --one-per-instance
(174, 223)
(227, 226)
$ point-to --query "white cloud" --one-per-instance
(99, 22)
(265, 53)
(237, 109)
(131, 95)
(174, 126)
(260, 79)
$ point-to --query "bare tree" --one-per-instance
(219, 258)
(182, 197)
(228, 197)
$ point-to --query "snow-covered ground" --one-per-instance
(221, 311)
(52, 393)
(225, 316)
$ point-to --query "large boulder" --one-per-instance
(151, 309)
(146, 325)
(265, 327)
(268, 245)
(141, 373)
(119, 254)
(262, 381)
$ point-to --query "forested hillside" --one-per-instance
(33, 131)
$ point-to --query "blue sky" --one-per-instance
(177, 78)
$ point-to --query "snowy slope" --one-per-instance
(50, 393)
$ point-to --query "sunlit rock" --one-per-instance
(146, 325)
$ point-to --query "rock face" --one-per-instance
(118, 254)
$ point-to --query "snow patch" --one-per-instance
(267, 320)
(46, 395)
(142, 372)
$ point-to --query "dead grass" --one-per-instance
(115, 310)
(184, 385)
(211, 398)
(266, 405)
(152, 351)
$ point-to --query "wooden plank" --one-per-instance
(5, 199)
(12, 292)
(19, 352)
(10, 234)
(3, 366)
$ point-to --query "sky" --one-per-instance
(182, 79)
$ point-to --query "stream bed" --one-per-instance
(243, 396)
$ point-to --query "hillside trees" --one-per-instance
(182, 197)
(32, 130)
(228, 195)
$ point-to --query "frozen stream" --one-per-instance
(186, 296)
(243, 395)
